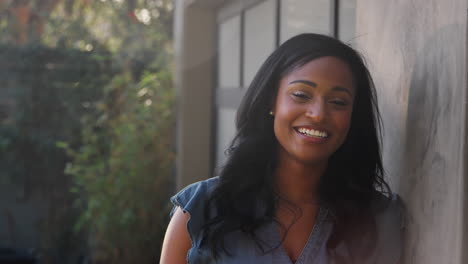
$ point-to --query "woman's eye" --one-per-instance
(338, 102)
(300, 95)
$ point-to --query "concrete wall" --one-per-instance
(417, 54)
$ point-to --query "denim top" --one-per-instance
(243, 249)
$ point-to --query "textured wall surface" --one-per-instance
(416, 53)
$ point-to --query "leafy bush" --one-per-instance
(93, 99)
(48, 91)
(123, 169)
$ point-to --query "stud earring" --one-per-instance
(271, 113)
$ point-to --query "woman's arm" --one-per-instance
(177, 240)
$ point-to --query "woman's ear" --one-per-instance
(273, 107)
(273, 104)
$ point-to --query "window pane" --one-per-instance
(226, 131)
(347, 20)
(259, 41)
(229, 53)
(300, 16)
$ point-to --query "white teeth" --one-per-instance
(312, 132)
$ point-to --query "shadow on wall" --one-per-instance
(435, 118)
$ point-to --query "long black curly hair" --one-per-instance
(354, 176)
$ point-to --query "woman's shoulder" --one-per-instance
(192, 198)
(390, 214)
(389, 205)
(379, 237)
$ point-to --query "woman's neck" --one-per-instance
(298, 182)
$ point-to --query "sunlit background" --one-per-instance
(86, 129)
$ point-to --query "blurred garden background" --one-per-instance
(86, 129)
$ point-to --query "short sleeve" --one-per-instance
(192, 199)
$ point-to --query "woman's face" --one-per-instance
(313, 108)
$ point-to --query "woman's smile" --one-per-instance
(310, 132)
(312, 135)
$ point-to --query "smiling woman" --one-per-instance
(313, 110)
(304, 179)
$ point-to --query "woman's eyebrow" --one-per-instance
(342, 89)
(309, 83)
(312, 84)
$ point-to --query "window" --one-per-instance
(300, 16)
(347, 21)
(259, 38)
(229, 53)
(226, 130)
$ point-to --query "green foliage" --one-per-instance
(50, 90)
(123, 168)
(94, 100)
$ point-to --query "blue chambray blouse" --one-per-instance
(243, 249)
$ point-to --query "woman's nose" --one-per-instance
(316, 110)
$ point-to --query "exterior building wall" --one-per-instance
(417, 55)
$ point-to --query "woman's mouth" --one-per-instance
(313, 133)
